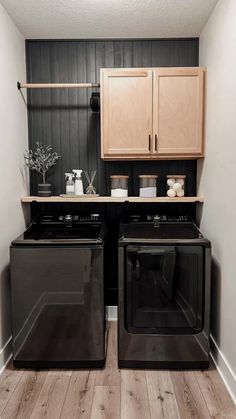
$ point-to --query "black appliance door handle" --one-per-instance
(152, 252)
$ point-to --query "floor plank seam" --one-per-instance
(202, 393)
(2, 412)
(66, 395)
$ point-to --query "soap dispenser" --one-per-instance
(70, 186)
(78, 182)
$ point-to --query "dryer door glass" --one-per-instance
(164, 286)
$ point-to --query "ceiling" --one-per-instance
(47, 19)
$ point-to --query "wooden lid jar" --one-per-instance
(147, 186)
(119, 185)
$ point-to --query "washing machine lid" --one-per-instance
(161, 231)
(146, 228)
(61, 230)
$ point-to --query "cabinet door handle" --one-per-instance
(156, 141)
(149, 142)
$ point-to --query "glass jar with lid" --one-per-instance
(175, 185)
(148, 186)
(119, 185)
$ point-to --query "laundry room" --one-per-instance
(117, 251)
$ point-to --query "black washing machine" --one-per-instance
(164, 293)
(58, 293)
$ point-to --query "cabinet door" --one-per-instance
(126, 113)
(178, 99)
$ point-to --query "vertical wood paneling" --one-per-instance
(119, 54)
(73, 103)
(128, 54)
(147, 53)
(82, 105)
(109, 54)
(65, 111)
(56, 117)
(99, 63)
(63, 118)
(137, 54)
(92, 146)
(156, 54)
(45, 74)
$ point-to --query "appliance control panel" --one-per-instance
(87, 218)
(69, 218)
(160, 218)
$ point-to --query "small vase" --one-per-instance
(44, 189)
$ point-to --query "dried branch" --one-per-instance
(41, 159)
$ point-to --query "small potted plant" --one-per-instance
(41, 160)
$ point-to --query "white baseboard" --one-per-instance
(5, 354)
(111, 313)
(224, 369)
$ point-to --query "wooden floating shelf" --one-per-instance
(159, 199)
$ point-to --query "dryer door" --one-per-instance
(164, 286)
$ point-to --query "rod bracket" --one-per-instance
(18, 85)
(95, 102)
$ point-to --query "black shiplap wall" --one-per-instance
(63, 119)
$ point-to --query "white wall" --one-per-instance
(217, 180)
(13, 182)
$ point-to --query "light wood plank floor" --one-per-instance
(114, 394)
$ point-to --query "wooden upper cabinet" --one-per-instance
(126, 124)
(152, 113)
(178, 98)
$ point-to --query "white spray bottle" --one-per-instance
(79, 190)
(70, 186)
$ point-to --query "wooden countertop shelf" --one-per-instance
(159, 199)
